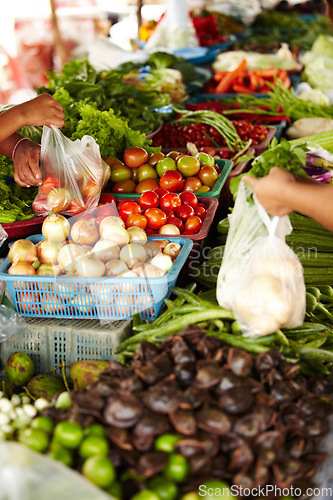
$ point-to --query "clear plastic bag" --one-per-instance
(261, 278)
(27, 475)
(10, 322)
(175, 30)
(73, 174)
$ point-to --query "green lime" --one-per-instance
(68, 434)
(62, 455)
(95, 429)
(45, 424)
(93, 445)
(116, 490)
(215, 489)
(166, 442)
(35, 439)
(177, 468)
(19, 368)
(145, 495)
(165, 488)
(99, 470)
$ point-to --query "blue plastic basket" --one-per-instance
(92, 298)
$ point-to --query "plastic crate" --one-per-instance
(225, 166)
(92, 298)
(49, 342)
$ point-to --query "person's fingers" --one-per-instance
(20, 176)
(34, 170)
(251, 181)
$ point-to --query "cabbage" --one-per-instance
(323, 45)
(319, 73)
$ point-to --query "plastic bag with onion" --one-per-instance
(73, 174)
(261, 278)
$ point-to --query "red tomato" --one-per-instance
(156, 218)
(160, 192)
(170, 200)
(134, 157)
(106, 198)
(184, 212)
(188, 198)
(75, 207)
(208, 150)
(149, 199)
(137, 220)
(129, 208)
(172, 180)
(49, 183)
(90, 188)
(120, 204)
(193, 223)
(169, 213)
(200, 212)
(188, 233)
(127, 186)
(176, 222)
(106, 210)
(146, 185)
(39, 205)
(149, 231)
(192, 184)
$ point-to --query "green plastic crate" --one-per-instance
(225, 166)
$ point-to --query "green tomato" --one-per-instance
(146, 172)
(215, 490)
(145, 495)
(93, 445)
(45, 424)
(166, 442)
(188, 166)
(205, 159)
(164, 165)
(99, 470)
(120, 173)
(177, 468)
(165, 489)
(35, 439)
(68, 434)
(62, 455)
(95, 430)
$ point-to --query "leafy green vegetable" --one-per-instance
(15, 202)
(324, 140)
(6, 166)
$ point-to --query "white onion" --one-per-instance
(56, 227)
(23, 268)
(169, 229)
(67, 256)
(133, 253)
(88, 266)
(107, 221)
(22, 251)
(114, 232)
(172, 249)
(136, 234)
(48, 270)
(115, 267)
(106, 250)
(47, 251)
(162, 261)
(84, 232)
(147, 271)
(152, 248)
(128, 274)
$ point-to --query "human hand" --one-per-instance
(42, 110)
(270, 190)
(26, 164)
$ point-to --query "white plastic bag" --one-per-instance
(175, 30)
(73, 174)
(261, 278)
(27, 475)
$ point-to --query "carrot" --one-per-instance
(283, 76)
(267, 73)
(226, 82)
(241, 89)
(219, 74)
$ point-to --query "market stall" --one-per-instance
(162, 336)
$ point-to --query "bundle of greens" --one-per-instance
(15, 202)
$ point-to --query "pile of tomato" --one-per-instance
(164, 212)
(175, 172)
